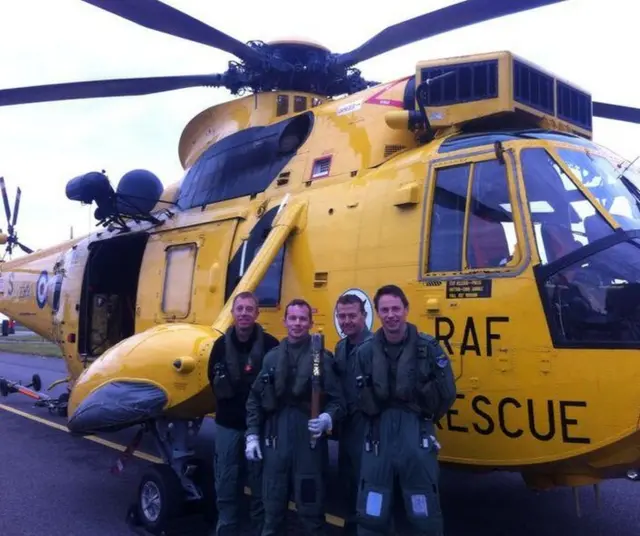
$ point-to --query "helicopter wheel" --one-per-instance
(160, 499)
(633, 474)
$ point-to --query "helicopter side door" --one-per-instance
(183, 274)
(473, 247)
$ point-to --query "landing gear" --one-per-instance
(178, 496)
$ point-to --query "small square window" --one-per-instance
(299, 103)
(282, 105)
(321, 167)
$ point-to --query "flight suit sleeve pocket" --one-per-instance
(374, 507)
(308, 494)
(423, 509)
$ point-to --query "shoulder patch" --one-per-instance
(442, 360)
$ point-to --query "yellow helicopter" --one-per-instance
(473, 183)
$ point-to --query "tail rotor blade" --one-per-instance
(24, 248)
(5, 200)
(16, 207)
(616, 112)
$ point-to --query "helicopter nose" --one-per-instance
(142, 378)
(117, 405)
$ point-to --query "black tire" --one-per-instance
(633, 475)
(204, 479)
(4, 388)
(36, 382)
(162, 481)
(63, 401)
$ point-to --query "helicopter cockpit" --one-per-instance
(589, 270)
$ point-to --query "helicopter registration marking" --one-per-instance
(349, 107)
(544, 420)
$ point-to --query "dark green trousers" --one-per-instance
(232, 470)
(293, 464)
(352, 433)
(400, 453)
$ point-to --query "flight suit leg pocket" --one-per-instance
(309, 494)
(422, 506)
(373, 507)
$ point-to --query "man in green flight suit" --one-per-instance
(352, 320)
(234, 363)
(405, 384)
(279, 425)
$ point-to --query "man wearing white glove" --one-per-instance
(321, 425)
(252, 450)
(293, 446)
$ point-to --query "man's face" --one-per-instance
(297, 322)
(245, 313)
(392, 313)
(351, 318)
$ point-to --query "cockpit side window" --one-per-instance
(563, 218)
(471, 222)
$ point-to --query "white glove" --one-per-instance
(320, 425)
(252, 449)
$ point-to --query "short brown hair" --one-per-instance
(346, 299)
(391, 290)
(245, 294)
(301, 303)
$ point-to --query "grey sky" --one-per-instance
(589, 42)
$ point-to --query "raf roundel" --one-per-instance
(368, 307)
(41, 289)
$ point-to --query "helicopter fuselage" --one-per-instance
(488, 233)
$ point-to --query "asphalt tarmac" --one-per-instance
(54, 484)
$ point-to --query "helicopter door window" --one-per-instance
(490, 238)
(447, 219)
(178, 280)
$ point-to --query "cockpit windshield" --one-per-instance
(563, 218)
(592, 298)
(610, 183)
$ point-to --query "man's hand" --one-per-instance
(252, 449)
(320, 425)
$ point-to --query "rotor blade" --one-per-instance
(616, 112)
(435, 23)
(161, 17)
(105, 88)
(24, 248)
(16, 207)
(5, 200)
